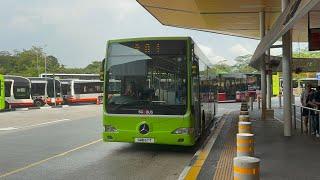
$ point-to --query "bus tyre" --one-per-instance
(38, 103)
(6, 105)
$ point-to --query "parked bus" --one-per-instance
(82, 91)
(159, 100)
(17, 92)
(298, 85)
(44, 91)
(61, 76)
(231, 87)
(235, 87)
(2, 97)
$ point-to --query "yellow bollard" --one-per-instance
(244, 112)
(245, 144)
(245, 127)
(244, 118)
(246, 168)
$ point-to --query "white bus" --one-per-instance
(82, 91)
(43, 89)
(17, 92)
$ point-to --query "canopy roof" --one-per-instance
(230, 17)
(240, 18)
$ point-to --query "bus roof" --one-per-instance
(18, 80)
(149, 39)
(71, 76)
(41, 79)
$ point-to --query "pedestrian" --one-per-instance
(316, 105)
(306, 102)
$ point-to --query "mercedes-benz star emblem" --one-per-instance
(144, 128)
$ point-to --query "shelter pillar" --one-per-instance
(263, 70)
(287, 77)
(269, 81)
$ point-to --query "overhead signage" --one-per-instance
(313, 32)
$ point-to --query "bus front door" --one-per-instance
(2, 93)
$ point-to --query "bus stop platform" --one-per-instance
(284, 158)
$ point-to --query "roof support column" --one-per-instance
(269, 81)
(263, 69)
(287, 77)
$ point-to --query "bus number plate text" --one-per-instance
(144, 140)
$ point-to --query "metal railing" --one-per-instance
(310, 119)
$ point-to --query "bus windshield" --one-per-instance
(151, 75)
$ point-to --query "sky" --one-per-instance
(76, 31)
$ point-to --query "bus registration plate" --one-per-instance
(144, 140)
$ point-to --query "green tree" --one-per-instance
(220, 68)
(93, 68)
(242, 65)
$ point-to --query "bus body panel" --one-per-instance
(161, 126)
(2, 93)
(78, 91)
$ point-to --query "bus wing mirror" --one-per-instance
(102, 70)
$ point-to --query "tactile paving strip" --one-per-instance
(224, 169)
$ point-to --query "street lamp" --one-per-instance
(46, 78)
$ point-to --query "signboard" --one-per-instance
(276, 84)
(314, 39)
(313, 32)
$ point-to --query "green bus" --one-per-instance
(159, 99)
(2, 96)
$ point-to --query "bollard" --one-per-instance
(245, 127)
(246, 168)
(280, 100)
(245, 144)
(244, 118)
(244, 112)
(97, 102)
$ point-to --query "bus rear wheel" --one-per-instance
(38, 103)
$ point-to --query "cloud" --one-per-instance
(239, 50)
(26, 23)
(76, 31)
(212, 56)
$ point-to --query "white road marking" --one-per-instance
(8, 128)
(50, 122)
(35, 125)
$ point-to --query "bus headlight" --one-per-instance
(183, 131)
(109, 128)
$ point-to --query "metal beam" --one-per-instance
(276, 46)
(284, 23)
